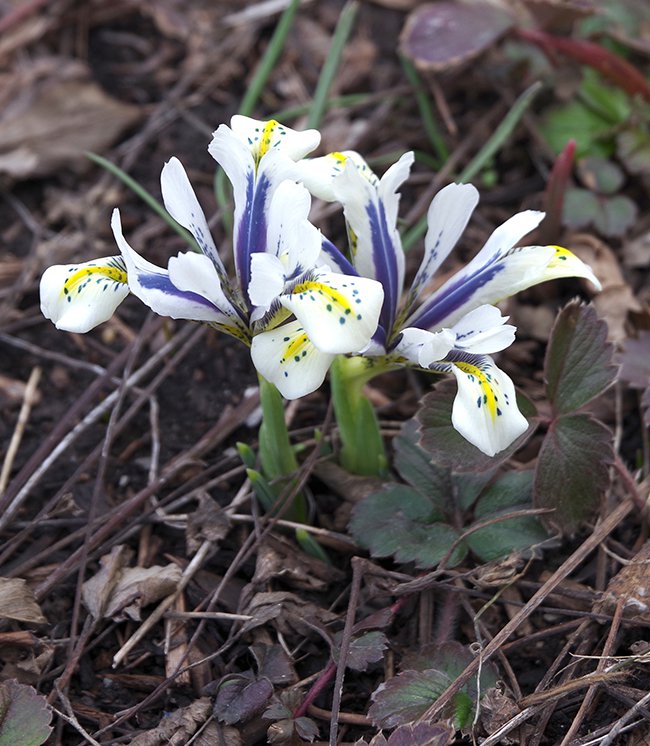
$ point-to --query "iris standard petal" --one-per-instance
(339, 313)
(181, 203)
(447, 218)
(422, 348)
(485, 408)
(286, 357)
(78, 297)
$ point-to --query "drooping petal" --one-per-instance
(447, 218)
(197, 298)
(318, 174)
(485, 408)
(371, 214)
(339, 313)
(262, 137)
(484, 331)
(503, 275)
(291, 237)
(422, 348)
(78, 297)
(181, 203)
(286, 357)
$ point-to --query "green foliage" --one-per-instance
(419, 522)
(405, 697)
(572, 469)
(24, 715)
(364, 649)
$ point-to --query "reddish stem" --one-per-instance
(558, 181)
(616, 69)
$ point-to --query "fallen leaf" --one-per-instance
(51, 113)
(176, 728)
(207, 523)
(631, 586)
(444, 35)
(24, 657)
(17, 602)
(120, 592)
(278, 558)
(288, 613)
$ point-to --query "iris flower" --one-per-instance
(283, 286)
(456, 328)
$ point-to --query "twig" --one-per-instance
(601, 531)
(617, 728)
(29, 398)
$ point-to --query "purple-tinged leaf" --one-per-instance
(573, 468)
(443, 35)
(364, 650)
(422, 734)
(578, 365)
(24, 715)
(405, 697)
(240, 698)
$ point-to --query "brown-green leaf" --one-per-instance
(24, 715)
(578, 365)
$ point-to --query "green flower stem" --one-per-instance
(362, 446)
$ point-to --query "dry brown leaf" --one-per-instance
(278, 558)
(17, 602)
(177, 728)
(207, 523)
(119, 592)
(23, 657)
(288, 612)
(616, 299)
(631, 585)
(51, 113)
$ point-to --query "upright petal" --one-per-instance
(181, 203)
(339, 313)
(262, 137)
(422, 348)
(485, 408)
(78, 297)
(198, 296)
(253, 188)
(447, 218)
(286, 357)
(371, 214)
(291, 237)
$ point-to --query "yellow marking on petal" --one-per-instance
(297, 347)
(266, 138)
(78, 278)
(561, 255)
(488, 398)
(331, 299)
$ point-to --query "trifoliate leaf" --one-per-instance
(573, 468)
(401, 522)
(240, 697)
(364, 649)
(578, 365)
(24, 715)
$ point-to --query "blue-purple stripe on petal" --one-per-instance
(251, 235)
(443, 304)
(163, 284)
(385, 263)
(338, 258)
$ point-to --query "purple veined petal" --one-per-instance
(78, 297)
(338, 313)
(154, 287)
(181, 203)
(485, 409)
(262, 137)
(331, 256)
(375, 244)
(484, 331)
(447, 218)
(286, 357)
